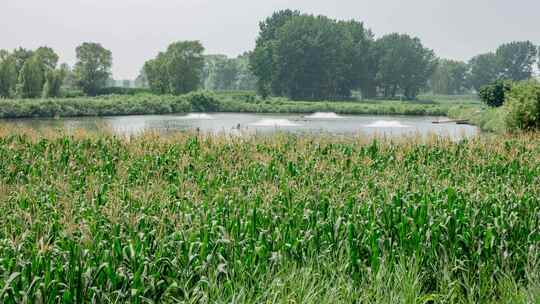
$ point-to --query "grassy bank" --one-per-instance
(486, 118)
(276, 220)
(206, 102)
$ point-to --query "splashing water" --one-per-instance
(275, 122)
(197, 116)
(324, 115)
(387, 124)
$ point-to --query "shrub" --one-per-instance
(122, 91)
(494, 94)
(203, 101)
(522, 106)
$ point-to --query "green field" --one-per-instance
(221, 102)
(281, 219)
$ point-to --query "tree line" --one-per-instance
(299, 56)
(511, 61)
(34, 73)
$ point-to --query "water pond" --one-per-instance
(248, 123)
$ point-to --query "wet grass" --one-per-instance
(280, 219)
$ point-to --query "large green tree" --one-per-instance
(450, 77)
(93, 67)
(313, 59)
(47, 56)
(484, 69)
(53, 82)
(184, 65)
(178, 70)
(310, 57)
(8, 74)
(516, 60)
(262, 59)
(31, 78)
(21, 55)
(404, 65)
(155, 71)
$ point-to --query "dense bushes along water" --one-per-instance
(199, 102)
(275, 219)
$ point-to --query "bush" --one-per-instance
(522, 106)
(122, 91)
(203, 101)
(494, 94)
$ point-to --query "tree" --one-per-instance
(450, 77)
(246, 80)
(516, 60)
(141, 81)
(47, 56)
(8, 74)
(158, 80)
(31, 78)
(178, 70)
(359, 54)
(310, 57)
(313, 59)
(69, 80)
(262, 58)
(93, 67)
(484, 69)
(21, 56)
(404, 65)
(53, 83)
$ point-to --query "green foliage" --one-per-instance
(8, 74)
(122, 91)
(53, 83)
(262, 60)
(306, 57)
(31, 78)
(522, 106)
(74, 104)
(197, 219)
(516, 60)
(450, 77)
(484, 69)
(47, 56)
(203, 102)
(494, 94)
(93, 67)
(178, 70)
(404, 65)
(220, 73)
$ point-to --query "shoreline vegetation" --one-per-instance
(95, 217)
(140, 104)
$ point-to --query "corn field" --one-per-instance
(187, 218)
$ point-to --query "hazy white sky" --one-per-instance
(135, 30)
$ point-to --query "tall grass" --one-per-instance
(280, 219)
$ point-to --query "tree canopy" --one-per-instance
(29, 74)
(450, 77)
(516, 60)
(178, 70)
(404, 65)
(309, 57)
(93, 67)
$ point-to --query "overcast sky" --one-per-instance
(135, 30)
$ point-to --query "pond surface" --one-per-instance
(247, 123)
